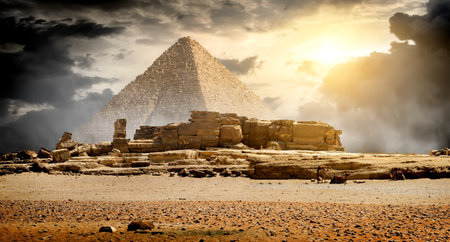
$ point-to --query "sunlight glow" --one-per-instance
(329, 53)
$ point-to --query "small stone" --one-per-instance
(108, 229)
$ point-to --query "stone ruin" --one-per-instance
(212, 129)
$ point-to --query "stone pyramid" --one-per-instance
(184, 78)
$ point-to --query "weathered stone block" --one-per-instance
(309, 133)
(120, 128)
(140, 146)
(60, 155)
(208, 129)
(203, 116)
(229, 121)
(189, 142)
(187, 129)
(210, 141)
(230, 134)
(169, 134)
(66, 142)
(258, 134)
(121, 144)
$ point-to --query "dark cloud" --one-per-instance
(242, 67)
(44, 128)
(397, 101)
(85, 61)
(38, 85)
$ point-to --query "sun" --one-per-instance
(328, 53)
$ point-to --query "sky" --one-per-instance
(377, 69)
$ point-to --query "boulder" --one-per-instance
(66, 142)
(60, 155)
(144, 225)
(44, 153)
(230, 135)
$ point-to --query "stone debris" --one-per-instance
(60, 155)
(444, 151)
(27, 154)
(44, 153)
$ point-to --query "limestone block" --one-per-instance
(229, 121)
(121, 144)
(285, 133)
(140, 146)
(201, 116)
(208, 129)
(44, 153)
(309, 133)
(230, 134)
(146, 132)
(101, 148)
(60, 155)
(210, 141)
(169, 134)
(187, 129)
(258, 134)
(189, 142)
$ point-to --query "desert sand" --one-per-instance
(74, 207)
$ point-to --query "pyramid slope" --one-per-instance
(184, 78)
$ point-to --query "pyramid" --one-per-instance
(184, 78)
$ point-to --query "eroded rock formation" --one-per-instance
(213, 129)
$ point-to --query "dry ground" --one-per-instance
(62, 207)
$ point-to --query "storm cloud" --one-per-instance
(38, 83)
(396, 101)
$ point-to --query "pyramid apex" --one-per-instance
(186, 40)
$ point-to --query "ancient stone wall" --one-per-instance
(213, 129)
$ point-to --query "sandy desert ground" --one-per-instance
(74, 207)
